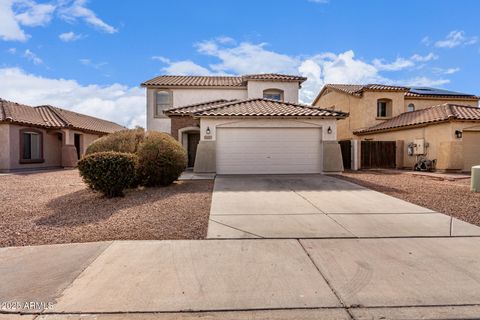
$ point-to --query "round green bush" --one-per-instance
(108, 172)
(121, 141)
(161, 159)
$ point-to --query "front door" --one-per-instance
(193, 140)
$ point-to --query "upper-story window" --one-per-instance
(163, 101)
(273, 94)
(384, 108)
(411, 107)
(31, 146)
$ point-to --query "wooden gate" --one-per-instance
(346, 147)
(378, 154)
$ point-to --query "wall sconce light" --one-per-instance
(329, 130)
(458, 134)
(208, 130)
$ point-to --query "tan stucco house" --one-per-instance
(244, 124)
(45, 137)
(398, 125)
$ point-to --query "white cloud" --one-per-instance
(419, 58)
(17, 13)
(446, 71)
(78, 10)
(34, 14)
(119, 103)
(69, 36)
(398, 64)
(248, 58)
(403, 63)
(422, 82)
(10, 29)
(456, 38)
(319, 1)
(12, 50)
(32, 57)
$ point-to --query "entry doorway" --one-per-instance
(77, 142)
(193, 139)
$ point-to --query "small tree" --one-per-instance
(121, 141)
(161, 159)
(108, 172)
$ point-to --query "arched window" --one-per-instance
(273, 94)
(384, 108)
(411, 107)
(163, 101)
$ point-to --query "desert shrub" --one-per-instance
(121, 141)
(161, 159)
(108, 172)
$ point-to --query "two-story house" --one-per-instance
(244, 124)
(398, 125)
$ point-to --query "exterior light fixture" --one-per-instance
(208, 130)
(329, 130)
(458, 134)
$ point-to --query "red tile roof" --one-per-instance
(53, 117)
(358, 89)
(217, 81)
(440, 113)
(267, 108)
(274, 77)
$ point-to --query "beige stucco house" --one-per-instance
(244, 124)
(45, 136)
(420, 122)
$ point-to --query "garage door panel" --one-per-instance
(268, 150)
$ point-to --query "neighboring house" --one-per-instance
(245, 124)
(45, 136)
(393, 126)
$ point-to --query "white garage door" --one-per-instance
(268, 150)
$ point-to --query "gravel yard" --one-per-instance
(450, 197)
(56, 207)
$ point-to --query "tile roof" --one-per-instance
(53, 117)
(275, 77)
(217, 81)
(259, 107)
(189, 109)
(440, 113)
(418, 92)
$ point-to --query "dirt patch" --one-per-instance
(56, 207)
(450, 197)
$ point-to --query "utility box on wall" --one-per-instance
(418, 146)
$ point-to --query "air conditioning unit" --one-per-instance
(418, 146)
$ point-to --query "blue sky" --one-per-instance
(91, 56)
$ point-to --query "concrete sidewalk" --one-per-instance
(246, 279)
(319, 206)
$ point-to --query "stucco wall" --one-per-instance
(205, 161)
(363, 110)
(290, 89)
(426, 103)
(182, 97)
(4, 146)
(443, 145)
(212, 124)
(52, 147)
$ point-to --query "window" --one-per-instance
(163, 101)
(411, 107)
(31, 146)
(384, 108)
(273, 94)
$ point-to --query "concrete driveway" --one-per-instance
(318, 206)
